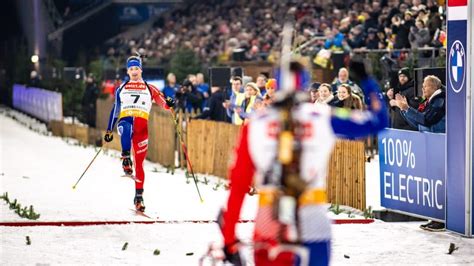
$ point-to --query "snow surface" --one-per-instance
(40, 170)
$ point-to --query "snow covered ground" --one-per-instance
(39, 170)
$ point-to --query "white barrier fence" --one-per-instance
(42, 104)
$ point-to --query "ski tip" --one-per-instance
(134, 178)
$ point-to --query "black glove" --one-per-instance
(357, 71)
(232, 254)
(108, 136)
(170, 102)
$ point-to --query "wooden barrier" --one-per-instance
(95, 136)
(85, 135)
(346, 176)
(182, 119)
(103, 112)
(56, 127)
(202, 138)
(75, 131)
(81, 133)
(210, 146)
(68, 130)
(224, 150)
(161, 137)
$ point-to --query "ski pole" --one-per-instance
(185, 151)
(74, 187)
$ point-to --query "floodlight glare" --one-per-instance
(34, 59)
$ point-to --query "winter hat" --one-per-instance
(134, 61)
(315, 86)
(405, 71)
(271, 83)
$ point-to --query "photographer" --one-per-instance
(214, 109)
(188, 98)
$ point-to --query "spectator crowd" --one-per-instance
(217, 30)
(235, 103)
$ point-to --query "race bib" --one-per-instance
(135, 100)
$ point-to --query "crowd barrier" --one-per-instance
(413, 173)
(346, 176)
(210, 145)
(161, 138)
(104, 106)
(42, 104)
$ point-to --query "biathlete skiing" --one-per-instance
(133, 102)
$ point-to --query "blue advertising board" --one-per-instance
(412, 172)
(471, 85)
(456, 126)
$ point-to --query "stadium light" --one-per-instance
(34, 59)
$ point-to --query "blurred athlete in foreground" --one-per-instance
(286, 148)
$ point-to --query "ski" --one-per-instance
(140, 213)
(134, 178)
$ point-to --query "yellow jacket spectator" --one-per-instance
(236, 100)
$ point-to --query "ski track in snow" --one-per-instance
(40, 170)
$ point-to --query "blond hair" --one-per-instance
(253, 86)
(434, 80)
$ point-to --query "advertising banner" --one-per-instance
(132, 14)
(412, 172)
(42, 104)
(457, 120)
(470, 79)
